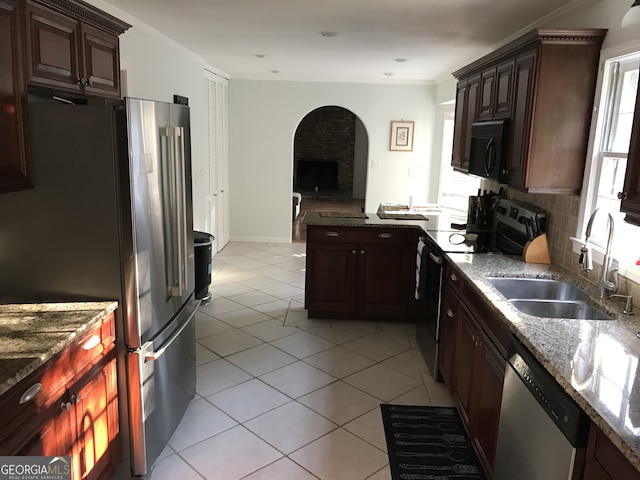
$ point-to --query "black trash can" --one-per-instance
(203, 247)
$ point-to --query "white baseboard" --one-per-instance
(260, 239)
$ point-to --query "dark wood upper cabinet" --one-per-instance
(631, 195)
(60, 45)
(15, 172)
(544, 82)
(75, 52)
(467, 97)
(52, 53)
(496, 90)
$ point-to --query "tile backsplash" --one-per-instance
(562, 223)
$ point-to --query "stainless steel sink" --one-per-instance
(542, 297)
(537, 288)
(559, 309)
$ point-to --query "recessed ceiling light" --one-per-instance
(260, 55)
(400, 60)
(388, 74)
(328, 34)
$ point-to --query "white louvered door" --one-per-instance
(216, 93)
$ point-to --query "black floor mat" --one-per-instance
(428, 443)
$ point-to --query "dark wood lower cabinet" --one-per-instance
(473, 367)
(604, 461)
(360, 273)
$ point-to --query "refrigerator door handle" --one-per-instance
(182, 209)
(150, 355)
(174, 196)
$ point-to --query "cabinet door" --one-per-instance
(459, 130)
(53, 438)
(331, 278)
(52, 53)
(449, 312)
(96, 449)
(101, 62)
(385, 273)
(504, 90)
(466, 114)
(631, 195)
(487, 398)
(487, 94)
(15, 171)
(467, 334)
(524, 73)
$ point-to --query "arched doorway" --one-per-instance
(330, 157)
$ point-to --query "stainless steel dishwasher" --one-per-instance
(542, 433)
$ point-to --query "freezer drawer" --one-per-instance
(162, 381)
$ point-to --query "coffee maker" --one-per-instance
(480, 212)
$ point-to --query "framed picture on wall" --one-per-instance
(401, 136)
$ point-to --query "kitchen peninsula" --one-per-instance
(605, 385)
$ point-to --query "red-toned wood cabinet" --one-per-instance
(69, 406)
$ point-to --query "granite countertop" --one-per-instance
(32, 333)
(596, 362)
(429, 221)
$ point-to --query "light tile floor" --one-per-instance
(283, 397)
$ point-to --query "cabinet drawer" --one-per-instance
(92, 344)
(27, 405)
(369, 235)
(453, 278)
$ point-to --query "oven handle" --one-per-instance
(435, 258)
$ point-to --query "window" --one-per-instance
(455, 187)
(620, 84)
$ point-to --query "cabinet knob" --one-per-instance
(384, 235)
(622, 195)
(331, 234)
(65, 406)
(361, 252)
(454, 277)
(75, 398)
(353, 251)
(449, 313)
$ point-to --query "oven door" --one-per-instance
(428, 327)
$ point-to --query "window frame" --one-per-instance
(596, 153)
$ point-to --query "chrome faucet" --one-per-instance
(608, 279)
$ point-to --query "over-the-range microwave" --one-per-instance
(489, 142)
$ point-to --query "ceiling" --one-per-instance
(378, 41)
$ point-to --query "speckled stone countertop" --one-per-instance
(596, 362)
(32, 333)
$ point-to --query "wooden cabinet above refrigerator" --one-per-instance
(544, 82)
(61, 45)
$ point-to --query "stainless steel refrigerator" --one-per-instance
(110, 217)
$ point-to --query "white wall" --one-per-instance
(264, 116)
(156, 69)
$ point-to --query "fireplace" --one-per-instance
(316, 175)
